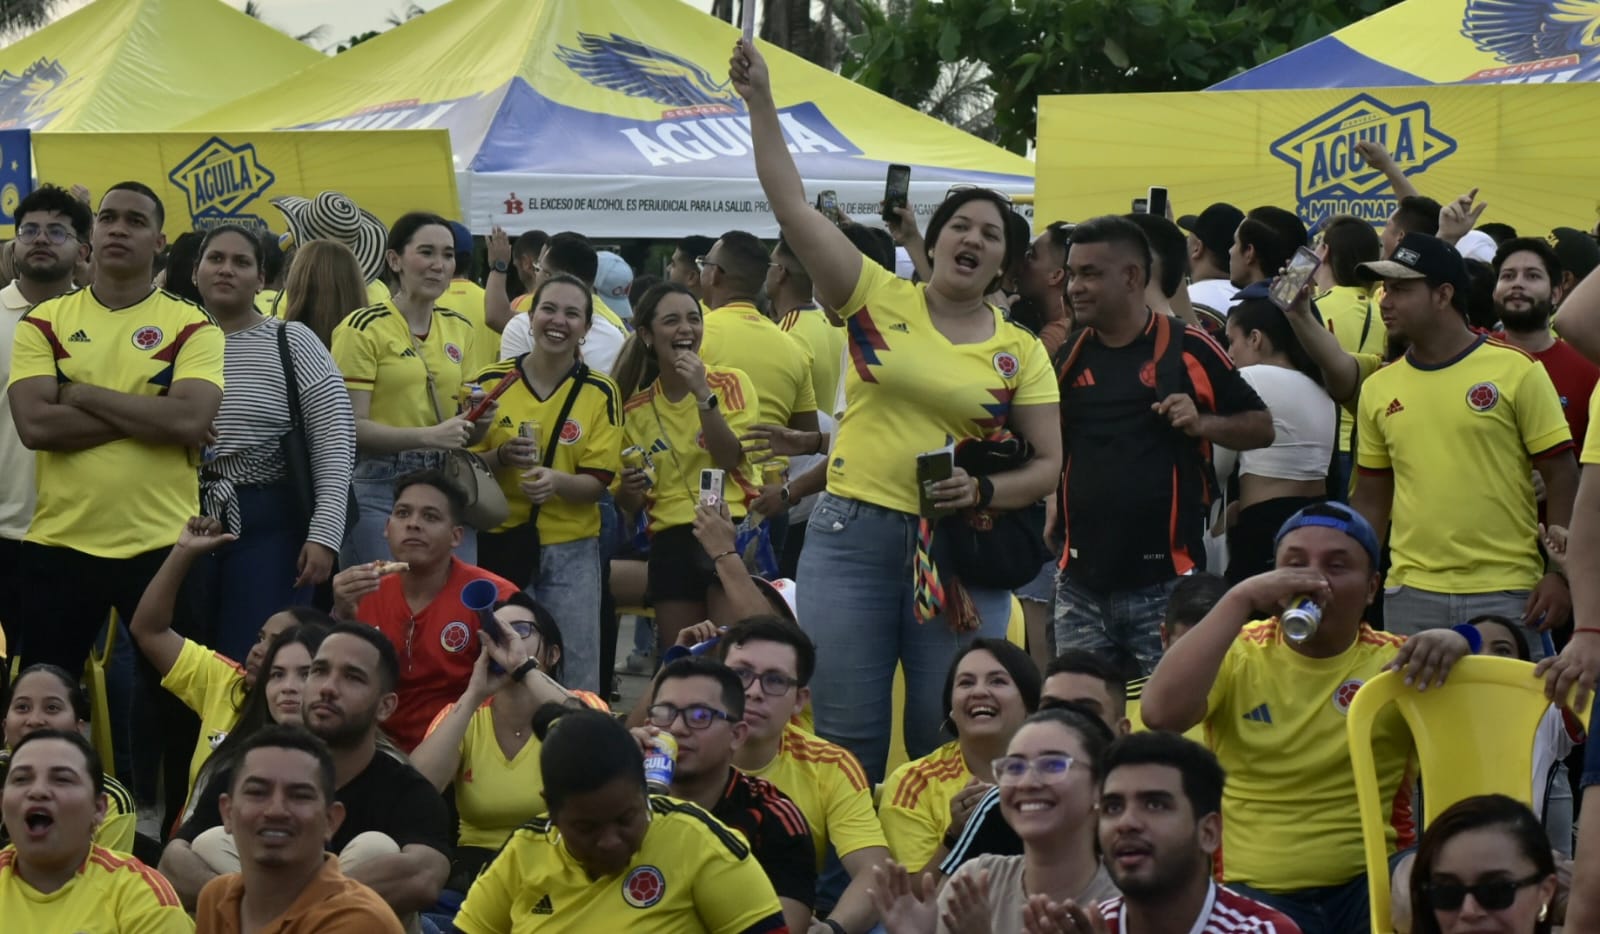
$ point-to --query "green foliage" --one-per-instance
(1037, 47)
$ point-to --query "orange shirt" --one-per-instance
(331, 903)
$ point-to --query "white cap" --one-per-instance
(613, 279)
(1477, 245)
(784, 588)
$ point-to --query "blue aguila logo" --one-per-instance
(1538, 40)
(1330, 175)
(219, 180)
(638, 70)
(24, 97)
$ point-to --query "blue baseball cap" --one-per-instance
(463, 238)
(1334, 516)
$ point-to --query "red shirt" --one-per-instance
(1575, 379)
(1225, 912)
(437, 647)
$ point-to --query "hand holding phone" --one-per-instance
(828, 204)
(1156, 202)
(896, 191)
(1302, 266)
(932, 467)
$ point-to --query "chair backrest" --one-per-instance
(1473, 736)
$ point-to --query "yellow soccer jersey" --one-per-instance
(810, 326)
(117, 831)
(738, 335)
(212, 685)
(465, 298)
(829, 786)
(1591, 444)
(1135, 700)
(1351, 314)
(671, 432)
(915, 806)
(1276, 720)
(910, 390)
(111, 894)
(377, 353)
(590, 443)
(690, 874)
(377, 292)
(1460, 440)
(85, 501)
(269, 302)
(494, 795)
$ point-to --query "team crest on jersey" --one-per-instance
(1147, 374)
(455, 637)
(1006, 365)
(1344, 694)
(147, 337)
(571, 431)
(453, 352)
(219, 181)
(644, 887)
(1483, 397)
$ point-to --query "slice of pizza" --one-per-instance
(385, 568)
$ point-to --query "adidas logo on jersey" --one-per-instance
(1260, 715)
(900, 326)
(1086, 378)
(408, 352)
(1394, 408)
(505, 421)
(78, 337)
(543, 906)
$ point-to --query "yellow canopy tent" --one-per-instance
(140, 65)
(615, 118)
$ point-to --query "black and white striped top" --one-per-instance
(255, 416)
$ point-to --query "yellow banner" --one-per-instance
(1522, 145)
(206, 180)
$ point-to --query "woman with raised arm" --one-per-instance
(931, 364)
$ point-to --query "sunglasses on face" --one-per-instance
(1494, 895)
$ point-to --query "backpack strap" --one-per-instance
(1073, 350)
(1193, 465)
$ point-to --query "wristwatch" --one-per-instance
(500, 266)
(532, 664)
(710, 405)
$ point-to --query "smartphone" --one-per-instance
(749, 20)
(828, 204)
(1156, 203)
(896, 191)
(1301, 267)
(1141, 205)
(711, 480)
(933, 466)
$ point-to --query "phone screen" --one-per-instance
(828, 204)
(896, 190)
(932, 467)
(1301, 267)
(1141, 205)
(1157, 202)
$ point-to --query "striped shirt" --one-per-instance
(254, 417)
(777, 831)
(1225, 912)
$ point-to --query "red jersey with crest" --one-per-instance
(437, 646)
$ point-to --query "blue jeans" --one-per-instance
(855, 601)
(243, 583)
(374, 486)
(1329, 909)
(1122, 621)
(569, 587)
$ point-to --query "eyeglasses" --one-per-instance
(523, 630)
(1496, 895)
(695, 716)
(55, 233)
(701, 262)
(773, 683)
(1051, 767)
(954, 190)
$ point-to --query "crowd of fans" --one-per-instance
(371, 524)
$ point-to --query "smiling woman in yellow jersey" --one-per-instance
(930, 364)
(54, 877)
(402, 362)
(687, 417)
(610, 857)
(554, 478)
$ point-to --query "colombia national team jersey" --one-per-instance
(829, 786)
(465, 298)
(671, 433)
(1460, 439)
(739, 336)
(589, 442)
(124, 497)
(810, 326)
(690, 874)
(1276, 720)
(110, 893)
(911, 391)
(915, 807)
(377, 353)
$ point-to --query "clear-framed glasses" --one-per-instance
(55, 233)
(695, 716)
(773, 683)
(701, 262)
(1051, 767)
(954, 190)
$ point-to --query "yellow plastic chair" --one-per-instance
(94, 677)
(1474, 736)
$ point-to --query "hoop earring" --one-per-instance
(582, 341)
(1544, 912)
